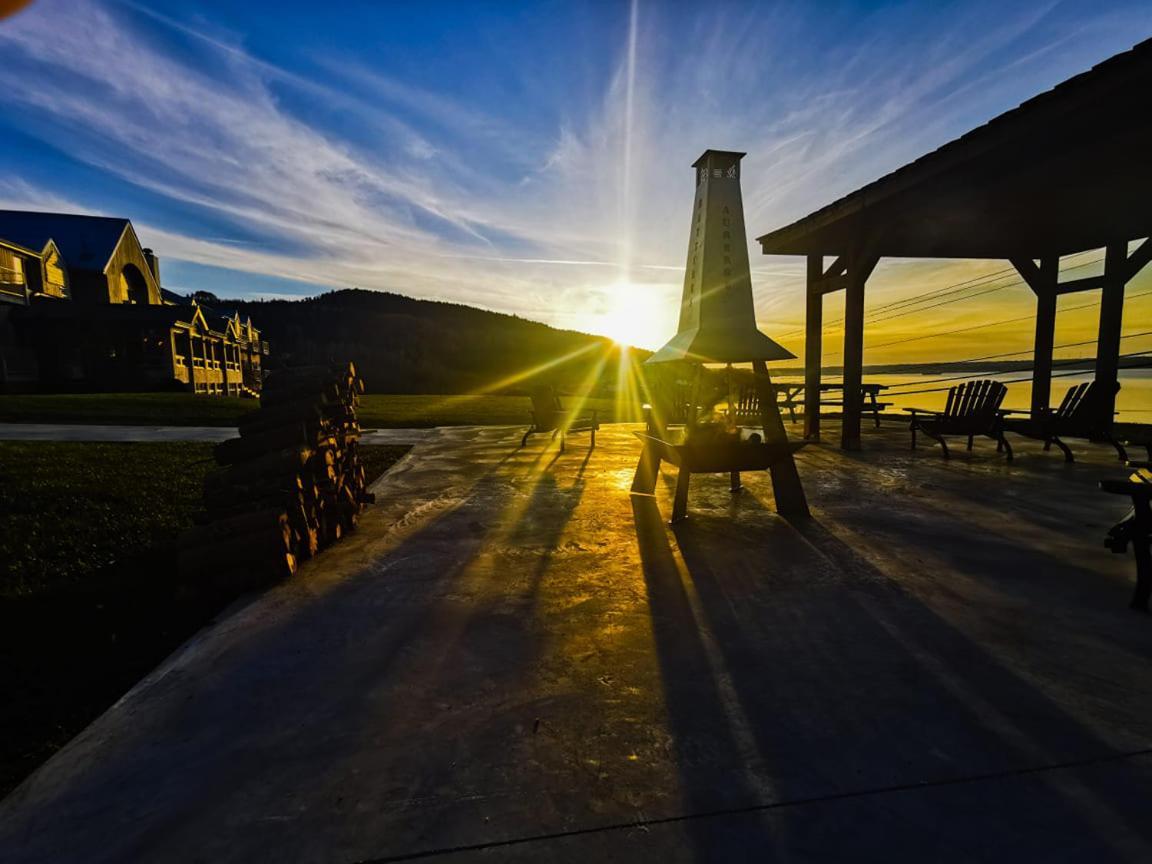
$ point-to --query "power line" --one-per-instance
(988, 324)
(876, 314)
(1012, 354)
(1019, 380)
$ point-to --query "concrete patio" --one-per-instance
(515, 659)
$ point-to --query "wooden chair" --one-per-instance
(548, 415)
(1079, 416)
(670, 404)
(1135, 528)
(973, 408)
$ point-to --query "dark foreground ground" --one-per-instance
(90, 601)
(515, 659)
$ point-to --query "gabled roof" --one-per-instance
(85, 242)
(18, 247)
(1064, 171)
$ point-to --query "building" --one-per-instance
(82, 308)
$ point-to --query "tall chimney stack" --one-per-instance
(153, 265)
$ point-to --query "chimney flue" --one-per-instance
(153, 265)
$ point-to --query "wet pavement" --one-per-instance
(516, 659)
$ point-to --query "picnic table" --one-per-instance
(792, 395)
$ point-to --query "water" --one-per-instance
(1133, 404)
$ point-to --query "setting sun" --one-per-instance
(632, 315)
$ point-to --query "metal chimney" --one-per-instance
(717, 316)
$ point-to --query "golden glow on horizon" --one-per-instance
(634, 317)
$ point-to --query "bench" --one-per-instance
(1135, 528)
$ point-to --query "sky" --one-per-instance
(530, 158)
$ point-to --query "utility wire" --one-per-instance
(1005, 356)
(1018, 380)
(876, 314)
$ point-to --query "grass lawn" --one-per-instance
(183, 409)
(153, 409)
(89, 602)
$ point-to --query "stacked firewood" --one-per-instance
(291, 484)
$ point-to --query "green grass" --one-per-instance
(89, 600)
(73, 508)
(159, 409)
(378, 411)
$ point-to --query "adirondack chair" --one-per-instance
(669, 404)
(1135, 528)
(973, 408)
(548, 415)
(1079, 416)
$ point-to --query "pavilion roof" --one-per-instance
(1065, 171)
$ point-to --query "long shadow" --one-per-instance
(711, 763)
(310, 684)
(850, 684)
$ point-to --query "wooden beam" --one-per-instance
(813, 348)
(1072, 286)
(1116, 269)
(860, 267)
(1046, 275)
(1030, 273)
(837, 268)
(1139, 259)
(831, 284)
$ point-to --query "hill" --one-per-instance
(404, 345)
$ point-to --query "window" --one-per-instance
(11, 268)
(54, 280)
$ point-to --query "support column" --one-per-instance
(859, 269)
(1111, 317)
(813, 347)
(1045, 289)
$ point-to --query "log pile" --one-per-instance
(291, 484)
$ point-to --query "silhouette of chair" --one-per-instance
(1080, 415)
(973, 408)
(548, 415)
(670, 401)
(1135, 528)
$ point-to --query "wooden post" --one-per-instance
(1045, 290)
(813, 352)
(1111, 318)
(859, 269)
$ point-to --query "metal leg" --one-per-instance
(1142, 517)
(680, 503)
(524, 440)
(1003, 442)
(1063, 447)
(970, 437)
(735, 478)
(647, 470)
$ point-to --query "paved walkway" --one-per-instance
(89, 432)
(516, 660)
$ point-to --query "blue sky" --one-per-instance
(524, 157)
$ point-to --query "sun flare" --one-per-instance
(635, 316)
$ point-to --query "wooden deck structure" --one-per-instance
(1065, 172)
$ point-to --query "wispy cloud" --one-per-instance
(348, 172)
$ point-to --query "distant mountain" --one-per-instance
(404, 345)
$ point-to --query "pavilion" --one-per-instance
(1066, 171)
